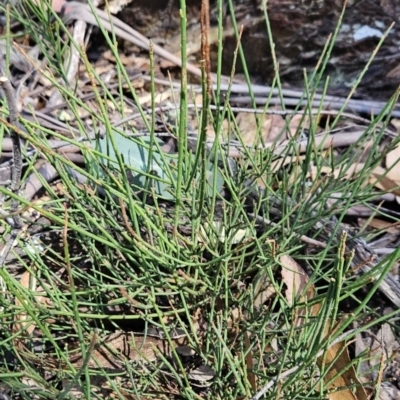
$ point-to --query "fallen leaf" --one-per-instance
(294, 277)
(22, 320)
(336, 359)
(249, 362)
(380, 224)
(115, 349)
(389, 392)
(216, 229)
(271, 128)
(396, 123)
(115, 6)
(388, 182)
(202, 374)
(392, 163)
(263, 288)
(298, 123)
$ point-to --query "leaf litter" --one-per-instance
(249, 130)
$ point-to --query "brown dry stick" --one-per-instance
(76, 11)
(118, 347)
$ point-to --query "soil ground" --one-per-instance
(300, 31)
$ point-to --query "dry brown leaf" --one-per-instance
(376, 223)
(294, 277)
(298, 123)
(104, 69)
(383, 344)
(158, 99)
(27, 282)
(296, 281)
(393, 157)
(263, 288)
(336, 358)
(350, 173)
(249, 363)
(223, 135)
(394, 72)
(235, 319)
(380, 177)
(202, 373)
(396, 123)
(295, 160)
(198, 100)
(198, 321)
(385, 181)
(382, 349)
(271, 128)
(115, 6)
(131, 61)
(117, 348)
(389, 392)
